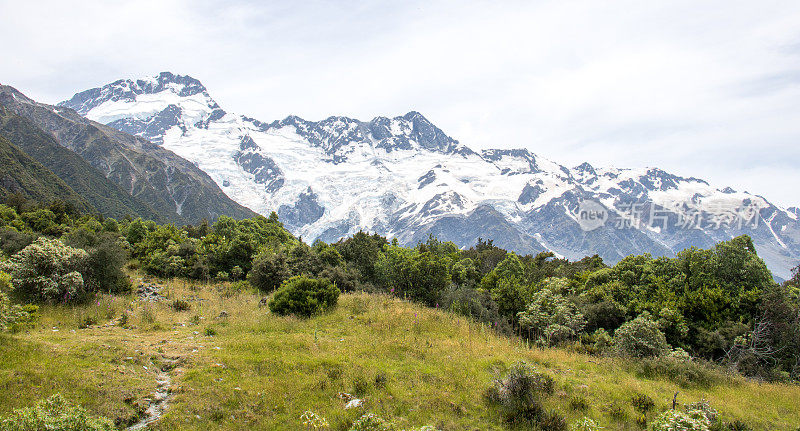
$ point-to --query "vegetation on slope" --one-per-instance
(169, 184)
(437, 328)
(410, 364)
(23, 176)
(104, 196)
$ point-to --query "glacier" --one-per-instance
(405, 178)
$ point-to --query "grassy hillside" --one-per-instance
(108, 198)
(21, 174)
(233, 365)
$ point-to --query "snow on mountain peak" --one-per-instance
(404, 176)
(148, 107)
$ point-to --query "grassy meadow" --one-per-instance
(233, 365)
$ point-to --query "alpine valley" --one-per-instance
(405, 178)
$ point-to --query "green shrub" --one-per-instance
(86, 321)
(381, 380)
(180, 305)
(738, 425)
(12, 240)
(9, 314)
(615, 412)
(640, 338)
(578, 403)
(361, 385)
(704, 407)
(477, 304)
(104, 264)
(642, 403)
(552, 316)
(304, 296)
(605, 314)
(585, 424)
(684, 373)
(676, 420)
(371, 422)
(269, 271)
(552, 421)
(54, 414)
(602, 342)
(519, 394)
(345, 279)
(48, 270)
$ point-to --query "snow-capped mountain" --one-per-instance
(405, 178)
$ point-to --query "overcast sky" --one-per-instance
(709, 89)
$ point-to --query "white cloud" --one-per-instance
(704, 89)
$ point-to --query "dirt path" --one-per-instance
(159, 402)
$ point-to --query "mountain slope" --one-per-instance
(23, 175)
(175, 188)
(404, 177)
(106, 197)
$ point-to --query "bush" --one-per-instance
(344, 278)
(578, 403)
(585, 424)
(475, 303)
(552, 316)
(55, 414)
(104, 265)
(519, 395)
(552, 421)
(683, 373)
(180, 305)
(738, 425)
(47, 270)
(12, 240)
(9, 314)
(269, 271)
(304, 296)
(676, 420)
(640, 338)
(371, 422)
(602, 342)
(605, 314)
(642, 403)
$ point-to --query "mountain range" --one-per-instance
(406, 178)
(116, 172)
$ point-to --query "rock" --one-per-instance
(149, 292)
(355, 402)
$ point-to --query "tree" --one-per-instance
(552, 316)
(640, 338)
(270, 269)
(419, 276)
(48, 270)
(362, 251)
(506, 287)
